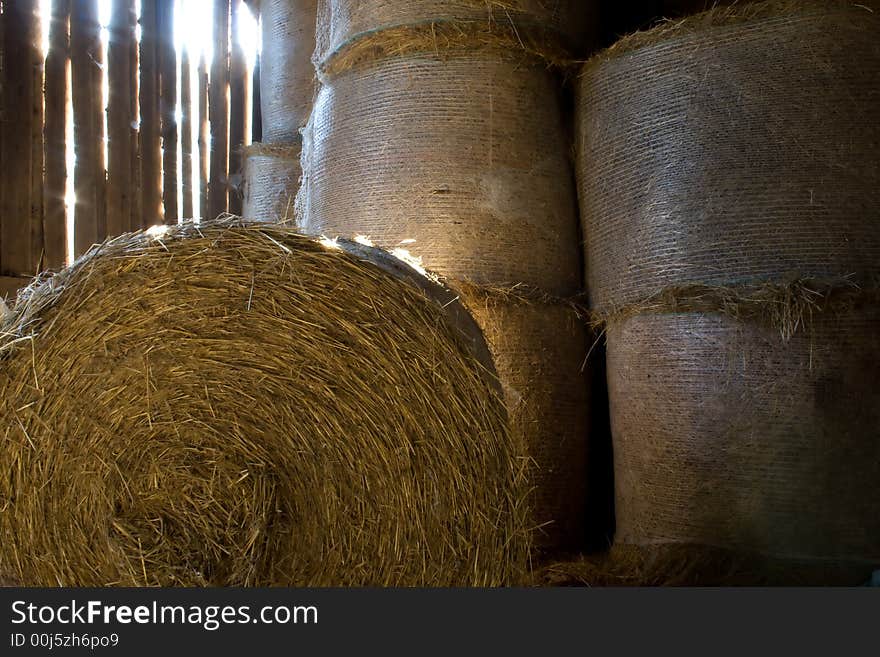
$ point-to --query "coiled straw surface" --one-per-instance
(235, 404)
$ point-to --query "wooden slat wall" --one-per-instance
(238, 99)
(256, 111)
(35, 192)
(218, 113)
(89, 183)
(57, 93)
(204, 135)
(137, 185)
(167, 108)
(150, 146)
(186, 134)
(122, 189)
(21, 141)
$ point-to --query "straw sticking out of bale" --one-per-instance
(236, 404)
(441, 38)
(560, 25)
(787, 307)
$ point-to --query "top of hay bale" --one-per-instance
(552, 29)
(235, 404)
(729, 15)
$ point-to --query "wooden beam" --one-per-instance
(36, 144)
(202, 94)
(21, 140)
(150, 149)
(238, 98)
(9, 286)
(256, 108)
(136, 216)
(168, 108)
(90, 219)
(55, 137)
(218, 109)
(121, 79)
(186, 134)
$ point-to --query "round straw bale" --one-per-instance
(728, 438)
(287, 76)
(271, 180)
(235, 404)
(572, 23)
(738, 145)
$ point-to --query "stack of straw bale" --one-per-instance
(235, 404)
(287, 88)
(438, 132)
(729, 188)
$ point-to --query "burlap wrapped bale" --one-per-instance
(271, 181)
(457, 155)
(570, 24)
(234, 404)
(728, 183)
(764, 169)
(540, 350)
(287, 77)
(460, 158)
(728, 437)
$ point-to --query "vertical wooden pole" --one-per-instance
(21, 141)
(121, 78)
(186, 134)
(203, 136)
(54, 136)
(238, 92)
(148, 94)
(136, 215)
(88, 125)
(36, 108)
(168, 108)
(218, 109)
(256, 108)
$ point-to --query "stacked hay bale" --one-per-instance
(729, 187)
(235, 404)
(438, 131)
(287, 87)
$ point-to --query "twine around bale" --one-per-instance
(235, 404)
